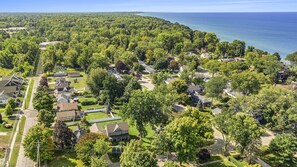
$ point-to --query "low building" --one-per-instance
(3, 98)
(63, 98)
(73, 74)
(147, 68)
(62, 85)
(195, 89)
(169, 80)
(67, 115)
(196, 98)
(60, 74)
(62, 107)
(115, 132)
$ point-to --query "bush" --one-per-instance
(87, 103)
(204, 155)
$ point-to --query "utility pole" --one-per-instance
(38, 154)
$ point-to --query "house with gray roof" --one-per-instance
(62, 85)
(3, 98)
(115, 132)
(79, 132)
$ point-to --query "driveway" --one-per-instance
(145, 81)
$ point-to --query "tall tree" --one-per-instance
(39, 135)
(215, 87)
(179, 85)
(8, 110)
(292, 58)
(95, 80)
(246, 133)
(142, 109)
(42, 99)
(45, 117)
(185, 136)
(135, 155)
(64, 138)
(247, 82)
(284, 146)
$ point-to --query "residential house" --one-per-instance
(11, 85)
(198, 89)
(79, 132)
(147, 68)
(60, 74)
(169, 80)
(115, 73)
(115, 132)
(62, 85)
(73, 74)
(67, 111)
(63, 98)
(201, 99)
(3, 98)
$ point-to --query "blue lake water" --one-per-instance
(273, 32)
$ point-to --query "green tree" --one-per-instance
(39, 134)
(284, 146)
(135, 155)
(142, 109)
(215, 87)
(95, 80)
(12, 103)
(213, 66)
(8, 110)
(45, 117)
(132, 85)
(161, 64)
(85, 148)
(185, 137)
(292, 58)
(179, 85)
(224, 125)
(247, 82)
(111, 91)
(246, 132)
(42, 99)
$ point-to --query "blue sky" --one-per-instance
(148, 5)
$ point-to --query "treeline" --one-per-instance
(18, 51)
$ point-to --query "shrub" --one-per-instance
(87, 103)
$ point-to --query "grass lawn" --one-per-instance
(18, 142)
(97, 115)
(29, 94)
(65, 159)
(95, 106)
(81, 82)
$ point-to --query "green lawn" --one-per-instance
(65, 159)
(18, 142)
(222, 164)
(97, 115)
(95, 106)
(81, 81)
(27, 102)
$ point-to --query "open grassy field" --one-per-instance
(97, 115)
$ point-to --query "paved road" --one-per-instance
(30, 115)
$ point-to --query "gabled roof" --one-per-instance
(3, 96)
(95, 128)
(67, 106)
(65, 114)
(194, 88)
(117, 127)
